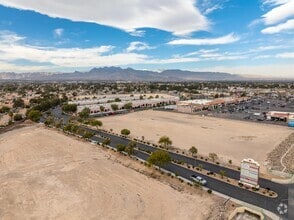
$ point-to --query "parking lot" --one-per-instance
(254, 109)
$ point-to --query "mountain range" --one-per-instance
(127, 74)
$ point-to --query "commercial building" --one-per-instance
(281, 116)
(190, 106)
(104, 105)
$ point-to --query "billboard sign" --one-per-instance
(249, 173)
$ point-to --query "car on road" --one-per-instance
(198, 179)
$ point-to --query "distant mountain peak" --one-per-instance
(113, 73)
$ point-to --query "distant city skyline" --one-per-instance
(240, 37)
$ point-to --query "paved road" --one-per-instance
(270, 204)
(216, 185)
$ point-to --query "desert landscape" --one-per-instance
(229, 139)
(59, 177)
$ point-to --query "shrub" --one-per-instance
(209, 191)
(34, 115)
(125, 131)
(120, 147)
(17, 117)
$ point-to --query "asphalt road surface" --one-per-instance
(270, 204)
(236, 192)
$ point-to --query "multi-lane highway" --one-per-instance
(236, 192)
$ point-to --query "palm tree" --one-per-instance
(222, 173)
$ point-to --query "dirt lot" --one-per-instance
(47, 175)
(230, 139)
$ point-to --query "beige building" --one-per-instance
(190, 106)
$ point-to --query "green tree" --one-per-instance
(128, 105)
(10, 115)
(193, 150)
(102, 108)
(107, 141)
(18, 103)
(130, 148)
(4, 109)
(49, 121)
(114, 107)
(17, 117)
(125, 131)
(159, 158)
(34, 115)
(85, 113)
(69, 108)
(121, 147)
(95, 123)
(222, 173)
(88, 134)
(165, 141)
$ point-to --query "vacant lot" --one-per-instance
(47, 175)
(230, 139)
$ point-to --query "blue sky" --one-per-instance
(251, 37)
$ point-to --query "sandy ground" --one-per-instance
(4, 119)
(47, 175)
(230, 139)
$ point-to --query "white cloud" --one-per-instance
(227, 39)
(58, 32)
(181, 17)
(209, 6)
(202, 51)
(284, 9)
(172, 60)
(61, 57)
(211, 55)
(287, 26)
(10, 67)
(285, 55)
(261, 57)
(265, 48)
(212, 9)
(137, 33)
(7, 37)
(138, 46)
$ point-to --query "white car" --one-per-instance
(198, 179)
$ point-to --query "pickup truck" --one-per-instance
(199, 179)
